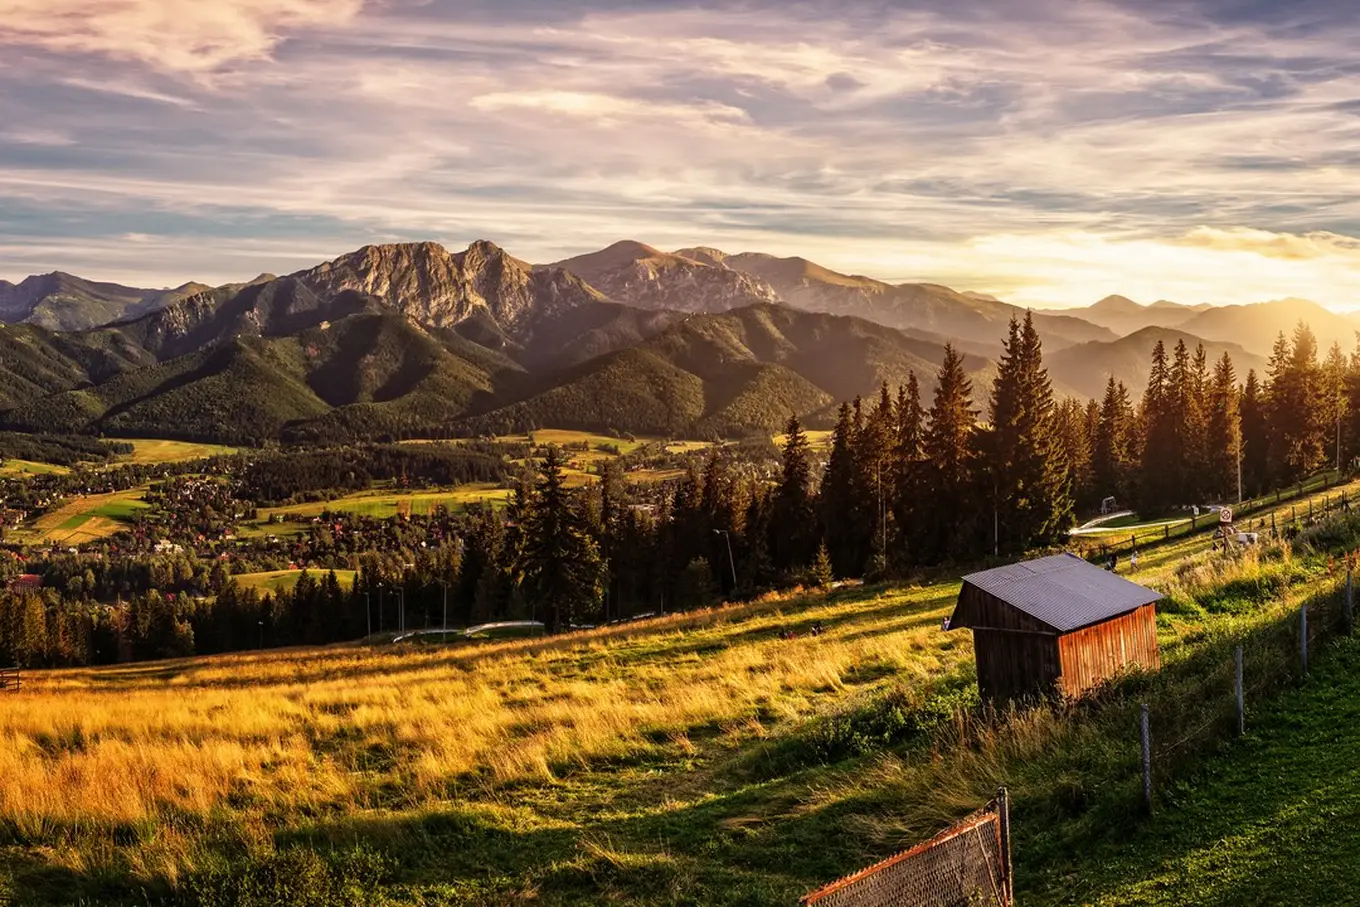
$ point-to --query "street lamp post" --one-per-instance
(368, 613)
(730, 560)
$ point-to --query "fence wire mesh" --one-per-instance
(966, 866)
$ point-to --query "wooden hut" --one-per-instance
(1056, 624)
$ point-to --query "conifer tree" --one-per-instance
(906, 466)
(1350, 429)
(1158, 485)
(559, 564)
(1030, 475)
(947, 479)
(1297, 408)
(841, 504)
(1184, 394)
(874, 454)
(1112, 454)
(1223, 435)
(794, 528)
(1256, 446)
(1333, 404)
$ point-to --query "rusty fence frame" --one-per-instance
(894, 882)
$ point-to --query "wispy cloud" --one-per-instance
(1047, 150)
(179, 35)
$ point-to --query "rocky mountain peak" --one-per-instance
(705, 255)
(637, 274)
(438, 288)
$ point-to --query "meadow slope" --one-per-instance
(699, 758)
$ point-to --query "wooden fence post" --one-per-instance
(1350, 599)
(1147, 761)
(1166, 531)
(1003, 799)
(1241, 699)
(1303, 637)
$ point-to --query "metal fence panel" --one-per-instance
(965, 866)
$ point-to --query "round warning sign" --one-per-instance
(1225, 515)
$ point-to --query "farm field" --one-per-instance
(31, 468)
(383, 503)
(700, 758)
(276, 580)
(162, 451)
(85, 519)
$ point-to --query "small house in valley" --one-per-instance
(1055, 625)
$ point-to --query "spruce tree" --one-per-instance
(1030, 476)
(1112, 454)
(906, 466)
(794, 528)
(1350, 428)
(1333, 404)
(1223, 435)
(1158, 485)
(1183, 399)
(1297, 409)
(559, 566)
(945, 528)
(841, 505)
(1256, 446)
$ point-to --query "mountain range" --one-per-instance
(416, 340)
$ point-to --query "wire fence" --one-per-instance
(1206, 698)
(1311, 499)
(967, 865)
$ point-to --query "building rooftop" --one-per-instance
(1063, 591)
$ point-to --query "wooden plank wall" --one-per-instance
(1019, 656)
(1096, 653)
(1013, 665)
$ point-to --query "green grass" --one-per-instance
(276, 580)
(31, 468)
(124, 509)
(845, 752)
(385, 503)
(1274, 819)
(85, 519)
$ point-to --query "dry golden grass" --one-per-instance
(302, 732)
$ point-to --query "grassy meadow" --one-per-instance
(699, 758)
(12, 467)
(163, 451)
(86, 518)
(383, 503)
(276, 580)
(1273, 819)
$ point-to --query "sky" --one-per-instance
(1050, 152)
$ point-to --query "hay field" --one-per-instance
(163, 451)
(85, 519)
(275, 580)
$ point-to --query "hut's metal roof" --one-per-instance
(1063, 591)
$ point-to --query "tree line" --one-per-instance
(907, 483)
